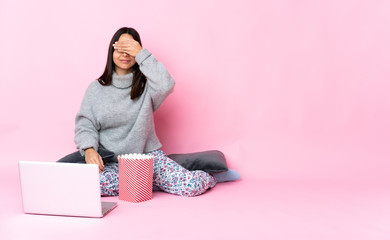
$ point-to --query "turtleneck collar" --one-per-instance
(124, 81)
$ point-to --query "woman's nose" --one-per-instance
(125, 54)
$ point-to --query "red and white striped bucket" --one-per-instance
(135, 177)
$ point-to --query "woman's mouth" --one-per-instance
(125, 61)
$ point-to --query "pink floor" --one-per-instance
(247, 209)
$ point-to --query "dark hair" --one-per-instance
(139, 79)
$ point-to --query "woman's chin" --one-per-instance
(122, 71)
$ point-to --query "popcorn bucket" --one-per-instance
(135, 177)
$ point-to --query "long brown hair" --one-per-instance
(139, 79)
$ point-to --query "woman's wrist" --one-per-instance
(88, 149)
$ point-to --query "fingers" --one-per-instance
(95, 159)
(126, 44)
(101, 164)
(98, 161)
(123, 49)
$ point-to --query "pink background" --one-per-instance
(283, 88)
(288, 90)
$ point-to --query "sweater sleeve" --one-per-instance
(86, 127)
(159, 81)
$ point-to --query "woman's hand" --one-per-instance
(129, 46)
(92, 157)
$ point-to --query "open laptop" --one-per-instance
(65, 189)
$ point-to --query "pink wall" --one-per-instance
(284, 88)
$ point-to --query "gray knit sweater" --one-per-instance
(109, 118)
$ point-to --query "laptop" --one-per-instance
(64, 189)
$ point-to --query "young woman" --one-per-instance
(116, 114)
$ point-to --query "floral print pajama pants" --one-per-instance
(168, 175)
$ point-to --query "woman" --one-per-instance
(117, 114)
